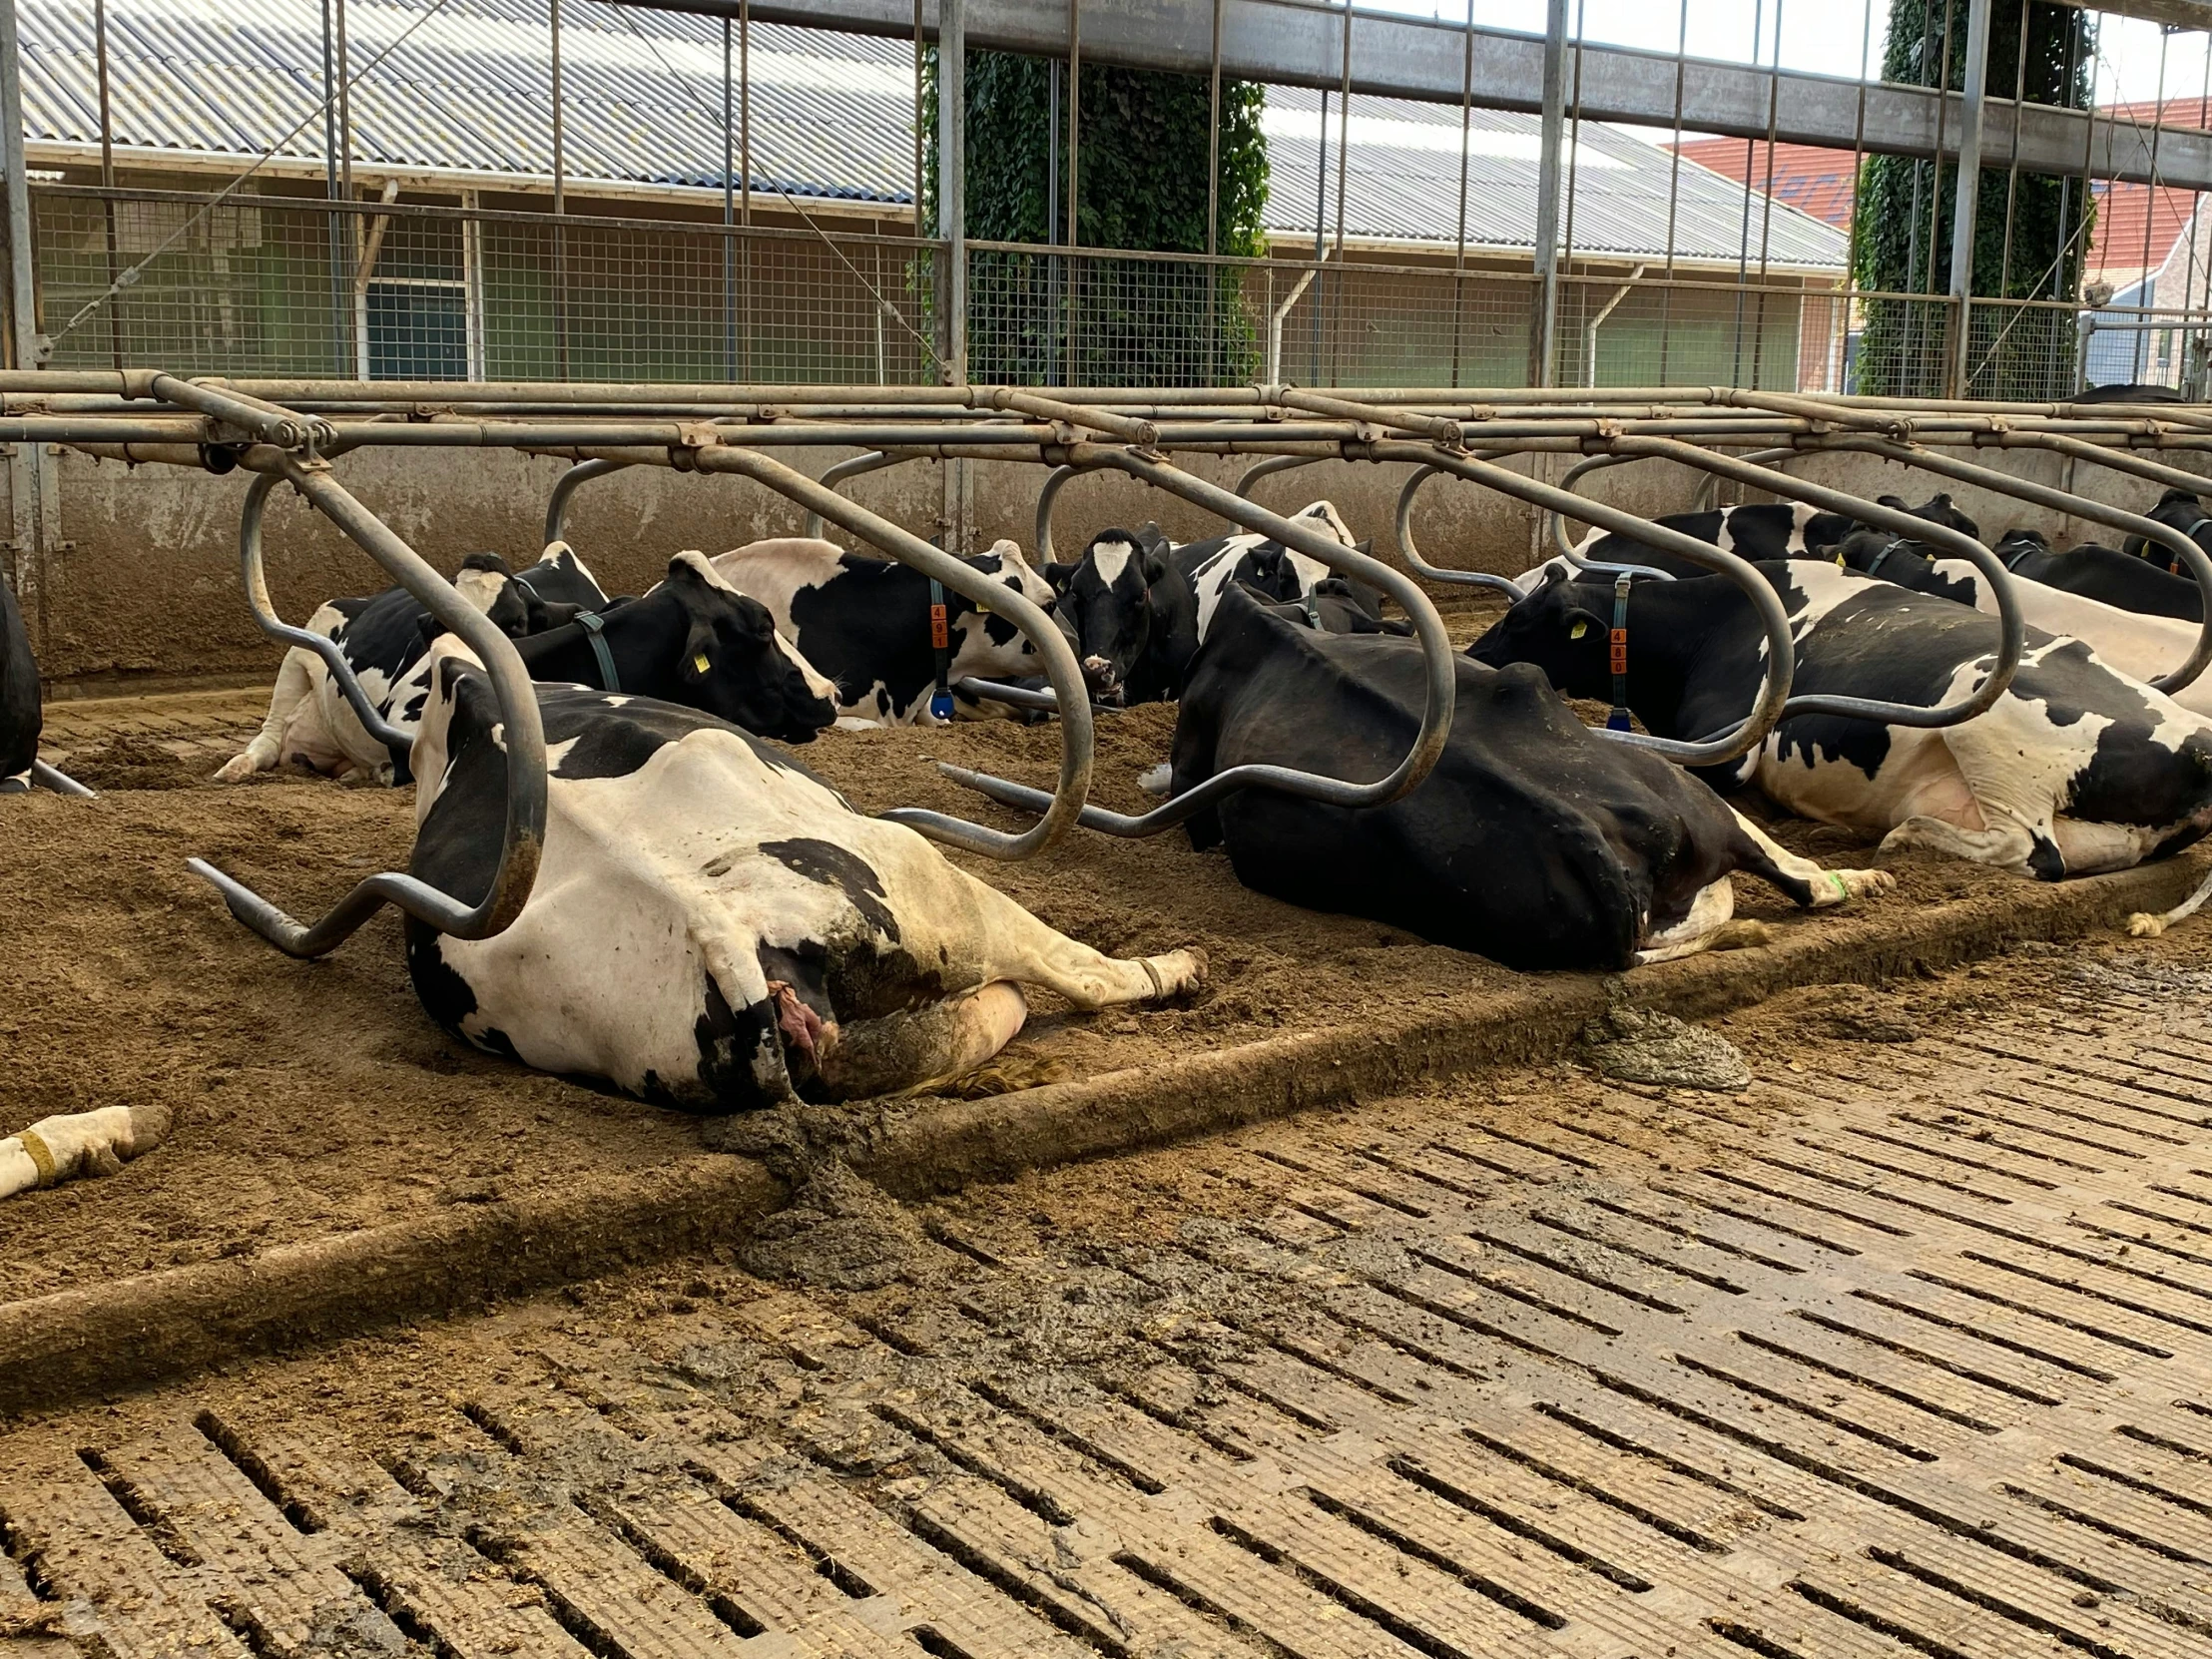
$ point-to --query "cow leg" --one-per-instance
(913, 1051)
(2090, 848)
(73, 1143)
(1810, 886)
(294, 684)
(2005, 845)
(2145, 925)
(1709, 914)
(20, 783)
(1013, 945)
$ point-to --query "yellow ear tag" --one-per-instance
(699, 663)
(1840, 561)
(1578, 630)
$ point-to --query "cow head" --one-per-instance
(1106, 603)
(2016, 543)
(987, 645)
(735, 665)
(1558, 628)
(1937, 509)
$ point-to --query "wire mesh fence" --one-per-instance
(266, 285)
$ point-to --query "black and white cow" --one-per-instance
(20, 718)
(2138, 646)
(713, 927)
(2177, 510)
(864, 622)
(2101, 573)
(1139, 605)
(2075, 768)
(309, 724)
(1758, 530)
(1129, 611)
(1534, 842)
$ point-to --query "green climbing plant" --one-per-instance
(1905, 211)
(1078, 319)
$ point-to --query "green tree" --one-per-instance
(1904, 215)
(1039, 319)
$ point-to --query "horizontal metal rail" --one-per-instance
(522, 739)
(1441, 687)
(2180, 546)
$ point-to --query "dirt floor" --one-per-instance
(317, 1098)
(1901, 1350)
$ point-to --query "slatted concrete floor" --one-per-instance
(1906, 1358)
(200, 727)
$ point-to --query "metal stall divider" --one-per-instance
(2044, 495)
(523, 835)
(1419, 758)
(2012, 633)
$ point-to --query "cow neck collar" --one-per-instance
(1617, 643)
(940, 646)
(591, 623)
(2173, 560)
(2012, 559)
(1874, 565)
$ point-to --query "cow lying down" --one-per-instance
(20, 716)
(1535, 841)
(2075, 768)
(310, 725)
(713, 927)
(2138, 646)
(864, 622)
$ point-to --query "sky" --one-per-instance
(1825, 37)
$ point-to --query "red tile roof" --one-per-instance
(1808, 177)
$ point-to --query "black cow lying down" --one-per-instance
(1535, 841)
(2103, 573)
(310, 725)
(713, 927)
(20, 718)
(1760, 530)
(2075, 768)
(2178, 510)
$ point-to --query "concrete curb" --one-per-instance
(82, 1344)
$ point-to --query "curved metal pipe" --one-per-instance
(1053, 481)
(2056, 500)
(1774, 690)
(2120, 460)
(1060, 666)
(850, 467)
(1270, 468)
(556, 506)
(2011, 630)
(253, 579)
(1439, 573)
(53, 778)
(523, 742)
(1708, 487)
(1442, 688)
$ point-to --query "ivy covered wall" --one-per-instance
(1904, 215)
(1141, 187)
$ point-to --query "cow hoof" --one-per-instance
(236, 770)
(1858, 883)
(1156, 780)
(1179, 971)
(2143, 926)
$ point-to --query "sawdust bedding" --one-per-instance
(313, 1098)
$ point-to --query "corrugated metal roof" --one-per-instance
(832, 117)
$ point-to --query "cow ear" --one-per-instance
(1581, 621)
(1059, 574)
(1155, 566)
(1892, 501)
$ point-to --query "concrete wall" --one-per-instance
(144, 588)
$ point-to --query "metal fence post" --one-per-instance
(1547, 194)
(1969, 192)
(28, 483)
(952, 227)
